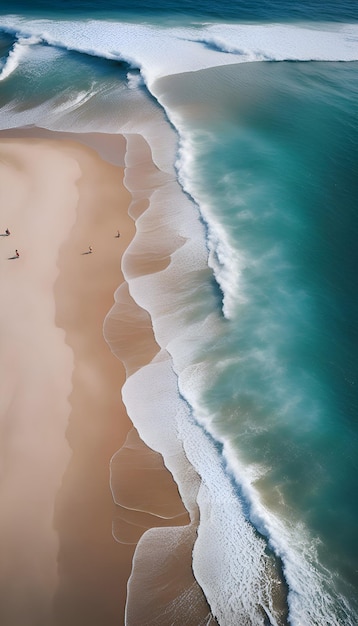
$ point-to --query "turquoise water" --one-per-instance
(261, 319)
(276, 169)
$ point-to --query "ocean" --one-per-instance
(250, 113)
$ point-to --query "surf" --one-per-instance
(201, 46)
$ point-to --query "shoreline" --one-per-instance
(214, 274)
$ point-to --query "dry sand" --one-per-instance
(61, 414)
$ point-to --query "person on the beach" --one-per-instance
(7, 232)
(90, 249)
(118, 234)
(17, 253)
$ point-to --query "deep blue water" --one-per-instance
(248, 10)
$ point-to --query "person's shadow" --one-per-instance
(88, 252)
(11, 258)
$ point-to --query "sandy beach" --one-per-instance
(62, 417)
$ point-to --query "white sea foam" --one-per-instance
(229, 560)
(226, 262)
(134, 80)
(277, 42)
(76, 102)
(308, 581)
(161, 52)
(16, 54)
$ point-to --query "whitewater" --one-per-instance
(241, 571)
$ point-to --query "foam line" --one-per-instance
(16, 54)
(155, 51)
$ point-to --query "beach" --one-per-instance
(62, 416)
